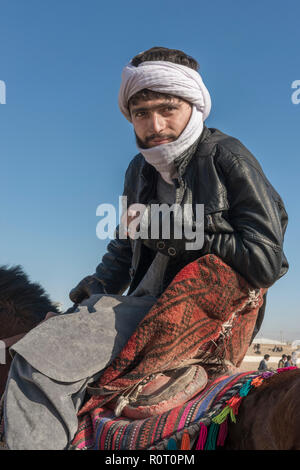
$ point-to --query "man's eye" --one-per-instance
(169, 109)
(140, 114)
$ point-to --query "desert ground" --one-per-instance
(252, 359)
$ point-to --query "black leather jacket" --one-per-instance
(244, 218)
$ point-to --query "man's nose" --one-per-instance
(157, 123)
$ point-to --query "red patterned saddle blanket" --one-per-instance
(206, 315)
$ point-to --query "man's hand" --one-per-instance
(87, 287)
(49, 315)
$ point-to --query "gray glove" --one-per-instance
(87, 287)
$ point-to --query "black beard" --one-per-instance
(139, 142)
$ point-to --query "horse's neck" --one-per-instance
(11, 325)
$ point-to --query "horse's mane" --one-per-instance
(22, 299)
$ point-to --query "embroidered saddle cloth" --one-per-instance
(104, 431)
(206, 315)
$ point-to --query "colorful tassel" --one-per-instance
(267, 374)
(202, 437)
(222, 415)
(234, 403)
(257, 381)
(283, 369)
(185, 442)
(245, 388)
(211, 441)
(212, 435)
(172, 445)
(216, 434)
(232, 415)
(223, 430)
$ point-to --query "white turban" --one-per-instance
(164, 77)
(172, 79)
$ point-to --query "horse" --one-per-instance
(268, 417)
(23, 305)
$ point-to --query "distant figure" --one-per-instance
(282, 361)
(288, 361)
(294, 358)
(256, 349)
(263, 363)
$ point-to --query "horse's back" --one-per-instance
(269, 417)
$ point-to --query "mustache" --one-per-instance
(144, 143)
(158, 137)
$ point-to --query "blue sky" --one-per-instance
(64, 145)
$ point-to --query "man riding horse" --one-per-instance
(181, 162)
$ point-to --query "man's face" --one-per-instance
(160, 120)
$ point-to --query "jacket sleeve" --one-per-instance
(113, 271)
(258, 218)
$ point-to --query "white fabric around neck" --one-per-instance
(162, 156)
(173, 79)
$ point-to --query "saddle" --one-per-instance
(160, 392)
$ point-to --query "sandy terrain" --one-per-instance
(252, 360)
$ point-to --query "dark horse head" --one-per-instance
(23, 305)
